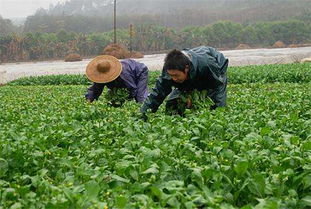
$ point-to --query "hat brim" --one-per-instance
(96, 76)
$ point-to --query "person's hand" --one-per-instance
(189, 103)
(88, 101)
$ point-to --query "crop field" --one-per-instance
(57, 151)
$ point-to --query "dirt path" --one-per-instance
(155, 62)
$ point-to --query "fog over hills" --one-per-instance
(239, 10)
(96, 15)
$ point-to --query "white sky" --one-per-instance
(23, 8)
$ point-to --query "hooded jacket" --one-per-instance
(208, 71)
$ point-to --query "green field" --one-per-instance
(57, 151)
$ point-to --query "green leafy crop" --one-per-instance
(58, 151)
(192, 100)
(117, 96)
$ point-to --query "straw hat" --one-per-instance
(103, 69)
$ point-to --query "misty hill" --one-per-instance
(87, 16)
(210, 10)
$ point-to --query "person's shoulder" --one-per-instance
(131, 61)
(200, 48)
(126, 60)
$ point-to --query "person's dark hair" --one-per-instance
(176, 60)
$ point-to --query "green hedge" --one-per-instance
(65, 80)
(285, 73)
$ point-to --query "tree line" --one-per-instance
(150, 37)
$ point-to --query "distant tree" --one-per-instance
(6, 27)
(63, 36)
(264, 34)
(192, 37)
(305, 16)
(226, 34)
(291, 32)
(248, 35)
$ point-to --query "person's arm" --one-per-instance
(162, 88)
(142, 85)
(94, 92)
(219, 95)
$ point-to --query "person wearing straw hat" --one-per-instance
(108, 71)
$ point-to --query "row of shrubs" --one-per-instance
(290, 73)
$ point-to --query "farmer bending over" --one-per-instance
(201, 68)
(109, 71)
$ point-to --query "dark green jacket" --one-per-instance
(208, 70)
